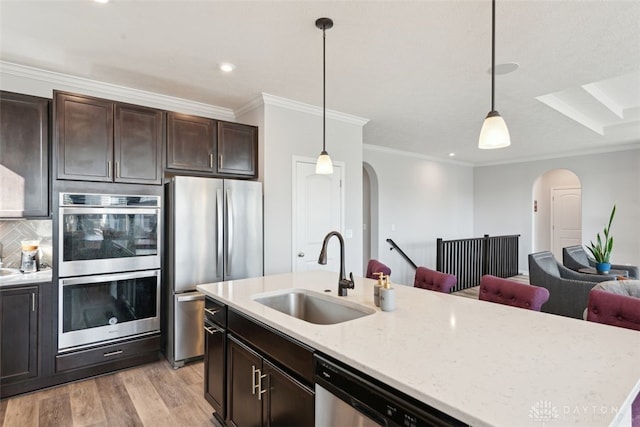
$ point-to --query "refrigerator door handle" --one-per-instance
(229, 232)
(219, 239)
(191, 296)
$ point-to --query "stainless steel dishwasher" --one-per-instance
(346, 397)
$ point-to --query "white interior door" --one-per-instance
(317, 211)
(566, 219)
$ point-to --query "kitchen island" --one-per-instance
(482, 363)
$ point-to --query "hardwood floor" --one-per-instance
(150, 395)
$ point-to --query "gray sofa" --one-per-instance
(568, 289)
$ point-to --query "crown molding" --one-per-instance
(277, 101)
(387, 150)
(125, 94)
(564, 154)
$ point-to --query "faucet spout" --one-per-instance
(343, 282)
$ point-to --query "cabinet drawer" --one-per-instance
(291, 355)
(107, 353)
(216, 312)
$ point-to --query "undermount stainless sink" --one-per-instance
(313, 307)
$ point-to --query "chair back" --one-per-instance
(614, 309)
(509, 292)
(375, 266)
(434, 280)
(543, 263)
(575, 257)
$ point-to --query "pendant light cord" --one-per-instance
(324, 88)
(493, 53)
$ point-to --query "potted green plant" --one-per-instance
(601, 250)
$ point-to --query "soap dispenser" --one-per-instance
(377, 287)
(387, 296)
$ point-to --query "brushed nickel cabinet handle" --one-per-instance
(33, 301)
(117, 169)
(113, 353)
(108, 168)
(211, 312)
(220, 161)
(260, 390)
(254, 385)
(211, 160)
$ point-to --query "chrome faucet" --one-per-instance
(343, 282)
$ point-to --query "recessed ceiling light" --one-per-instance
(452, 154)
(227, 67)
(506, 68)
(102, 1)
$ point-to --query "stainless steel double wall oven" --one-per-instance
(108, 268)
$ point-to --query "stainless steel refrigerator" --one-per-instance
(214, 232)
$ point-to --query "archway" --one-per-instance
(369, 214)
(557, 211)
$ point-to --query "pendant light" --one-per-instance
(324, 165)
(494, 132)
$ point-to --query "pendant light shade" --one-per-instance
(494, 132)
(324, 166)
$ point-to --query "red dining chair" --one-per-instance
(509, 292)
(434, 280)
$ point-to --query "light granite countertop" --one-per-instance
(17, 278)
(483, 363)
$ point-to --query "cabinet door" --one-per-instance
(215, 368)
(138, 144)
(237, 149)
(24, 156)
(190, 143)
(84, 135)
(288, 402)
(19, 339)
(245, 401)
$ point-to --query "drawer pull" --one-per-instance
(210, 330)
(211, 312)
(113, 353)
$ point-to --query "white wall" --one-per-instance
(290, 132)
(419, 201)
(503, 206)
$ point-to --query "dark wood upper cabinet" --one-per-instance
(191, 143)
(24, 156)
(102, 140)
(138, 142)
(84, 133)
(237, 149)
(211, 147)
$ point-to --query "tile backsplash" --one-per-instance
(12, 232)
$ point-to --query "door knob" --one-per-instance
(300, 254)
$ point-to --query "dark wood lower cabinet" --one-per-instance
(288, 402)
(261, 394)
(215, 375)
(245, 400)
(19, 333)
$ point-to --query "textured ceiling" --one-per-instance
(417, 70)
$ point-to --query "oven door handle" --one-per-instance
(191, 296)
(96, 278)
